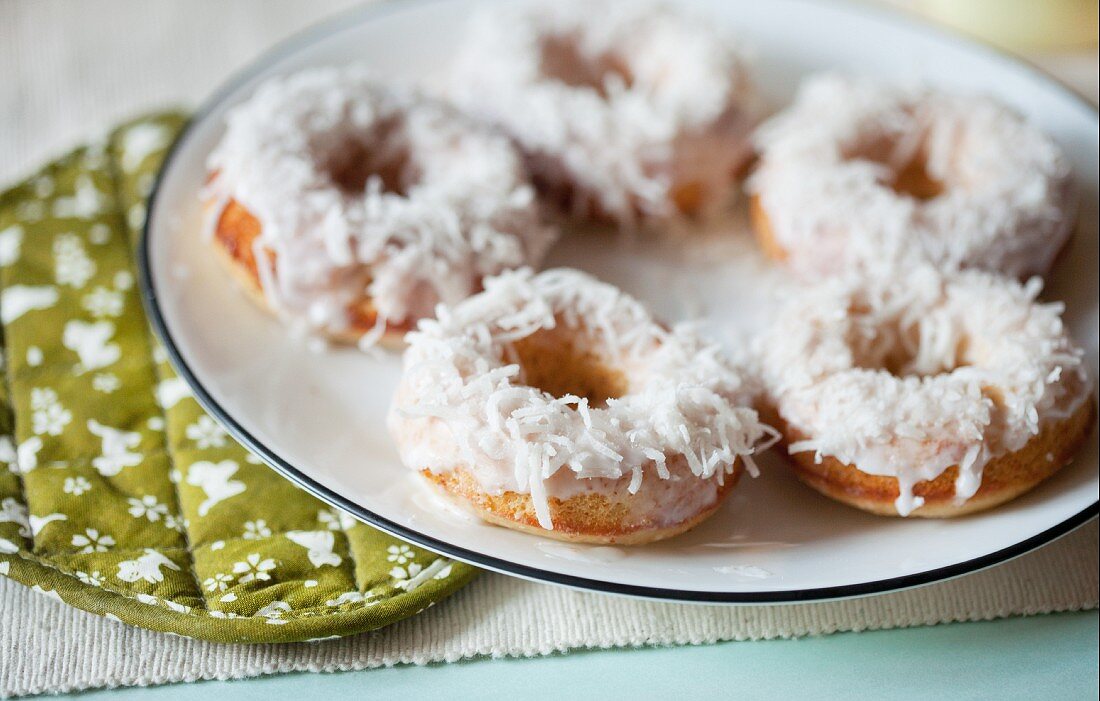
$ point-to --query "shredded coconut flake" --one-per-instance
(828, 161)
(460, 208)
(684, 398)
(614, 102)
(907, 375)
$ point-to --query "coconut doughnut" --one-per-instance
(924, 394)
(354, 208)
(555, 404)
(855, 174)
(626, 110)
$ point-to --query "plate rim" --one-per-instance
(359, 15)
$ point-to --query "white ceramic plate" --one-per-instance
(318, 417)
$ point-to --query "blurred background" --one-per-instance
(71, 69)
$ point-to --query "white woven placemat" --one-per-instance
(46, 646)
(71, 69)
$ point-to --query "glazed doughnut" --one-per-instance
(925, 394)
(626, 111)
(555, 404)
(854, 175)
(354, 208)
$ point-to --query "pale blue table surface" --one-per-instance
(1044, 657)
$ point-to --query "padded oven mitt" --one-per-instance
(118, 494)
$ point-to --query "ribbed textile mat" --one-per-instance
(48, 647)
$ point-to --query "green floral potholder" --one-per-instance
(118, 494)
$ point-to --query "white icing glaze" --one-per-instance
(1006, 203)
(683, 420)
(614, 102)
(458, 207)
(976, 368)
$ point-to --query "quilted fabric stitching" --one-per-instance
(382, 592)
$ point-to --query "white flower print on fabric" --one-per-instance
(400, 554)
(30, 211)
(71, 264)
(174, 522)
(17, 300)
(141, 141)
(115, 453)
(39, 523)
(92, 541)
(177, 607)
(410, 577)
(92, 579)
(76, 486)
(352, 597)
(124, 280)
(33, 210)
(11, 244)
(48, 593)
(253, 568)
(274, 612)
(171, 391)
(47, 415)
(254, 530)
(150, 600)
(335, 520)
(405, 573)
(214, 479)
(43, 186)
(12, 511)
(206, 433)
(103, 302)
(147, 507)
(99, 234)
(34, 356)
(135, 216)
(319, 545)
(95, 156)
(146, 567)
(86, 202)
(26, 455)
(8, 456)
(217, 582)
(91, 343)
(106, 382)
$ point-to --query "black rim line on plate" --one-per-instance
(354, 17)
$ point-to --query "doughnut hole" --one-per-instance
(903, 350)
(352, 161)
(913, 180)
(562, 60)
(910, 175)
(561, 361)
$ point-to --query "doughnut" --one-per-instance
(555, 404)
(856, 175)
(627, 112)
(923, 393)
(351, 208)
